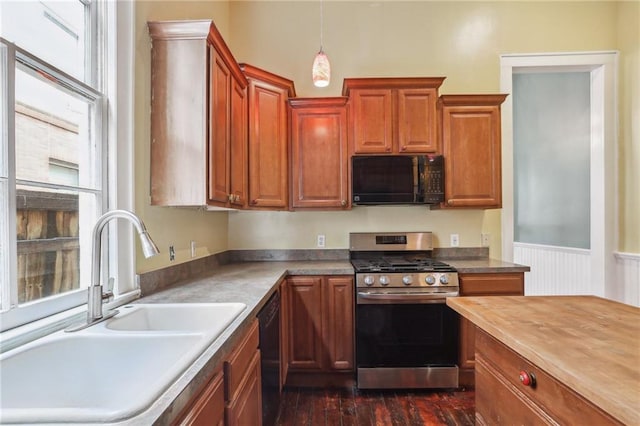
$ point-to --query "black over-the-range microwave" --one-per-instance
(397, 179)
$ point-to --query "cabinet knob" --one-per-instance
(343, 203)
(528, 379)
(404, 148)
(388, 149)
(254, 202)
(230, 197)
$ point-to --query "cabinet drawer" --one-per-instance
(238, 362)
(499, 402)
(489, 284)
(558, 401)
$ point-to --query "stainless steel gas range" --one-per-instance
(406, 335)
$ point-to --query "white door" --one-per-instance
(559, 205)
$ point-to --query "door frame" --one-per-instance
(603, 67)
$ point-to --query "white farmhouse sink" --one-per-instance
(110, 371)
(205, 318)
(86, 378)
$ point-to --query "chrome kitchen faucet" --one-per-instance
(95, 293)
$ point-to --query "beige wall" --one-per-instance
(459, 40)
(629, 131)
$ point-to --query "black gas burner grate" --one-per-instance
(400, 264)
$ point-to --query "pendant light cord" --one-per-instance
(321, 22)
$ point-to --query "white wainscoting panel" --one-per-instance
(555, 270)
(627, 286)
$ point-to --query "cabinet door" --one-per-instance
(417, 120)
(319, 159)
(511, 284)
(268, 150)
(339, 322)
(246, 408)
(372, 121)
(305, 315)
(471, 147)
(285, 321)
(208, 408)
(238, 145)
(219, 128)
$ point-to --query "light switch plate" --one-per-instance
(455, 240)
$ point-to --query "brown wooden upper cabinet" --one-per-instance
(471, 145)
(268, 148)
(393, 115)
(198, 117)
(319, 157)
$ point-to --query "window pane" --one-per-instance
(57, 192)
(551, 131)
(55, 31)
(54, 130)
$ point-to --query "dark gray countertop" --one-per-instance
(251, 283)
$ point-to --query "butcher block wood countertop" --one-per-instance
(590, 344)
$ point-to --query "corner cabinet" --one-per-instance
(198, 117)
(393, 115)
(319, 157)
(321, 316)
(268, 147)
(471, 145)
(482, 284)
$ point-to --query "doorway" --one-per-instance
(559, 179)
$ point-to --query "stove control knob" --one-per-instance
(384, 280)
(430, 280)
(444, 279)
(407, 280)
(368, 280)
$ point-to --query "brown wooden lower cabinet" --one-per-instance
(320, 313)
(507, 284)
(234, 395)
(208, 406)
(502, 397)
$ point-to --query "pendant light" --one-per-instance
(321, 70)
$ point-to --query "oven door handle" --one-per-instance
(405, 297)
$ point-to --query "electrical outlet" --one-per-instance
(172, 254)
(455, 240)
(485, 240)
(193, 249)
(320, 241)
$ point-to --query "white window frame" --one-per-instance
(115, 80)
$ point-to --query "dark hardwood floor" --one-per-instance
(316, 406)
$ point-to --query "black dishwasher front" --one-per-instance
(269, 323)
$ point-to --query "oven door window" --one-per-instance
(406, 335)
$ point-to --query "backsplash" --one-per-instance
(154, 281)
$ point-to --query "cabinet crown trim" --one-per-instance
(320, 102)
(268, 77)
(473, 100)
(390, 83)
